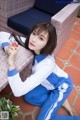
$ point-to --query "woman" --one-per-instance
(48, 86)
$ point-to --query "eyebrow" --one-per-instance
(39, 34)
(43, 36)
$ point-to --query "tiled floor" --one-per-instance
(68, 58)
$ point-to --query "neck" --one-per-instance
(37, 52)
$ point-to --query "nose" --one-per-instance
(34, 39)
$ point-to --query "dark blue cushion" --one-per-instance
(24, 21)
(51, 6)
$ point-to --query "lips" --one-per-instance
(31, 44)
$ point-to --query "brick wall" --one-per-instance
(11, 7)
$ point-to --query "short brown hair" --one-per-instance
(52, 40)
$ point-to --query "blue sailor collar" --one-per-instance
(40, 57)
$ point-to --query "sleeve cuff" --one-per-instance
(5, 44)
(12, 72)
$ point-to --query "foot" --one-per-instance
(67, 106)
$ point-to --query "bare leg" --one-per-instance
(67, 106)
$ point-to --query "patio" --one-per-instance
(68, 58)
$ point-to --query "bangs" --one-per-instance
(40, 29)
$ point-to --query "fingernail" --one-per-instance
(15, 44)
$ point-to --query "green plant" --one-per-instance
(7, 105)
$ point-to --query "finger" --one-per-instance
(16, 48)
(11, 46)
(13, 50)
(15, 44)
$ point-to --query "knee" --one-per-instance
(27, 97)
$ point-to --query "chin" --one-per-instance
(30, 48)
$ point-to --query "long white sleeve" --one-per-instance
(6, 37)
(42, 71)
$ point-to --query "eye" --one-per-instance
(41, 38)
(34, 33)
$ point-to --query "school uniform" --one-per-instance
(48, 86)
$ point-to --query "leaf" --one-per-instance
(7, 105)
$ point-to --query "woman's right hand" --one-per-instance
(12, 50)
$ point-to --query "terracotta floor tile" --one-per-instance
(75, 61)
(36, 113)
(28, 117)
(64, 54)
(59, 63)
(78, 88)
(78, 50)
(20, 117)
(62, 111)
(77, 28)
(70, 43)
(6, 90)
(74, 73)
(25, 107)
(77, 105)
(75, 35)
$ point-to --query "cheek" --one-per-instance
(42, 45)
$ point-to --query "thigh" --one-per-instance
(54, 102)
(37, 96)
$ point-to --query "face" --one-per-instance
(38, 41)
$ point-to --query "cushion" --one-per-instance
(24, 21)
(51, 6)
